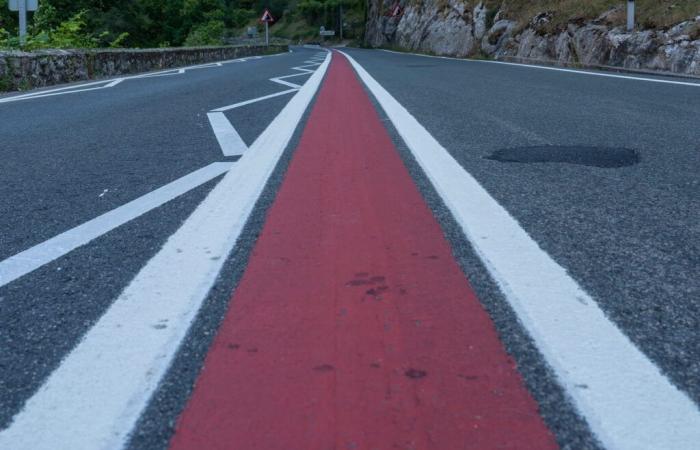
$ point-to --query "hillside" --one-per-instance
(566, 32)
(172, 23)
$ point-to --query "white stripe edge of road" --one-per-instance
(626, 400)
(229, 140)
(94, 398)
(110, 83)
(255, 100)
(556, 69)
(31, 259)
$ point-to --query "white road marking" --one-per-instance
(49, 94)
(556, 69)
(229, 140)
(285, 83)
(627, 401)
(31, 259)
(94, 398)
(114, 83)
(255, 100)
(50, 91)
(74, 89)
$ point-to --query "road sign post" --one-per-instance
(267, 18)
(630, 15)
(22, 6)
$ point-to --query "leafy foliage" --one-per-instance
(158, 23)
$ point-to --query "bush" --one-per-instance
(209, 33)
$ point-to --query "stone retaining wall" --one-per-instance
(463, 28)
(21, 70)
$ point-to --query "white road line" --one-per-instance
(31, 259)
(113, 82)
(49, 94)
(556, 69)
(229, 140)
(96, 395)
(285, 83)
(51, 91)
(627, 401)
(255, 100)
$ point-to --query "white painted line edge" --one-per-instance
(73, 89)
(31, 259)
(255, 100)
(628, 403)
(285, 83)
(94, 398)
(556, 69)
(229, 140)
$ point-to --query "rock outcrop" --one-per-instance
(464, 28)
(20, 70)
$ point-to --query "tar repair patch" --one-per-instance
(604, 157)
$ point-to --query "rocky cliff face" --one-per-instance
(463, 28)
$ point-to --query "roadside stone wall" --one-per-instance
(22, 70)
(464, 28)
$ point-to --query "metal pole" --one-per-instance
(630, 15)
(22, 21)
(267, 33)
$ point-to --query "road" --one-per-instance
(423, 253)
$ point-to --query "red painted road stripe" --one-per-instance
(353, 326)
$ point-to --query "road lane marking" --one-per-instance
(395, 344)
(31, 259)
(114, 83)
(557, 69)
(627, 401)
(229, 140)
(94, 398)
(226, 134)
(255, 100)
(74, 89)
(285, 83)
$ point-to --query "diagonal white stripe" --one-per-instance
(41, 254)
(229, 140)
(95, 397)
(255, 100)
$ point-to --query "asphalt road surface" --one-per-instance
(356, 249)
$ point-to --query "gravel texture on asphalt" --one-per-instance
(131, 139)
(157, 423)
(629, 235)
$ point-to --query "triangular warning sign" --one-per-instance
(267, 16)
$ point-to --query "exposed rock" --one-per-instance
(499, 33)
(480, 26)
(461, 28)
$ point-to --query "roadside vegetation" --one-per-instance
(172, 23)
(650, 13)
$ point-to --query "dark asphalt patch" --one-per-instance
(585, 156)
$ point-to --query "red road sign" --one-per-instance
(267, 16)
